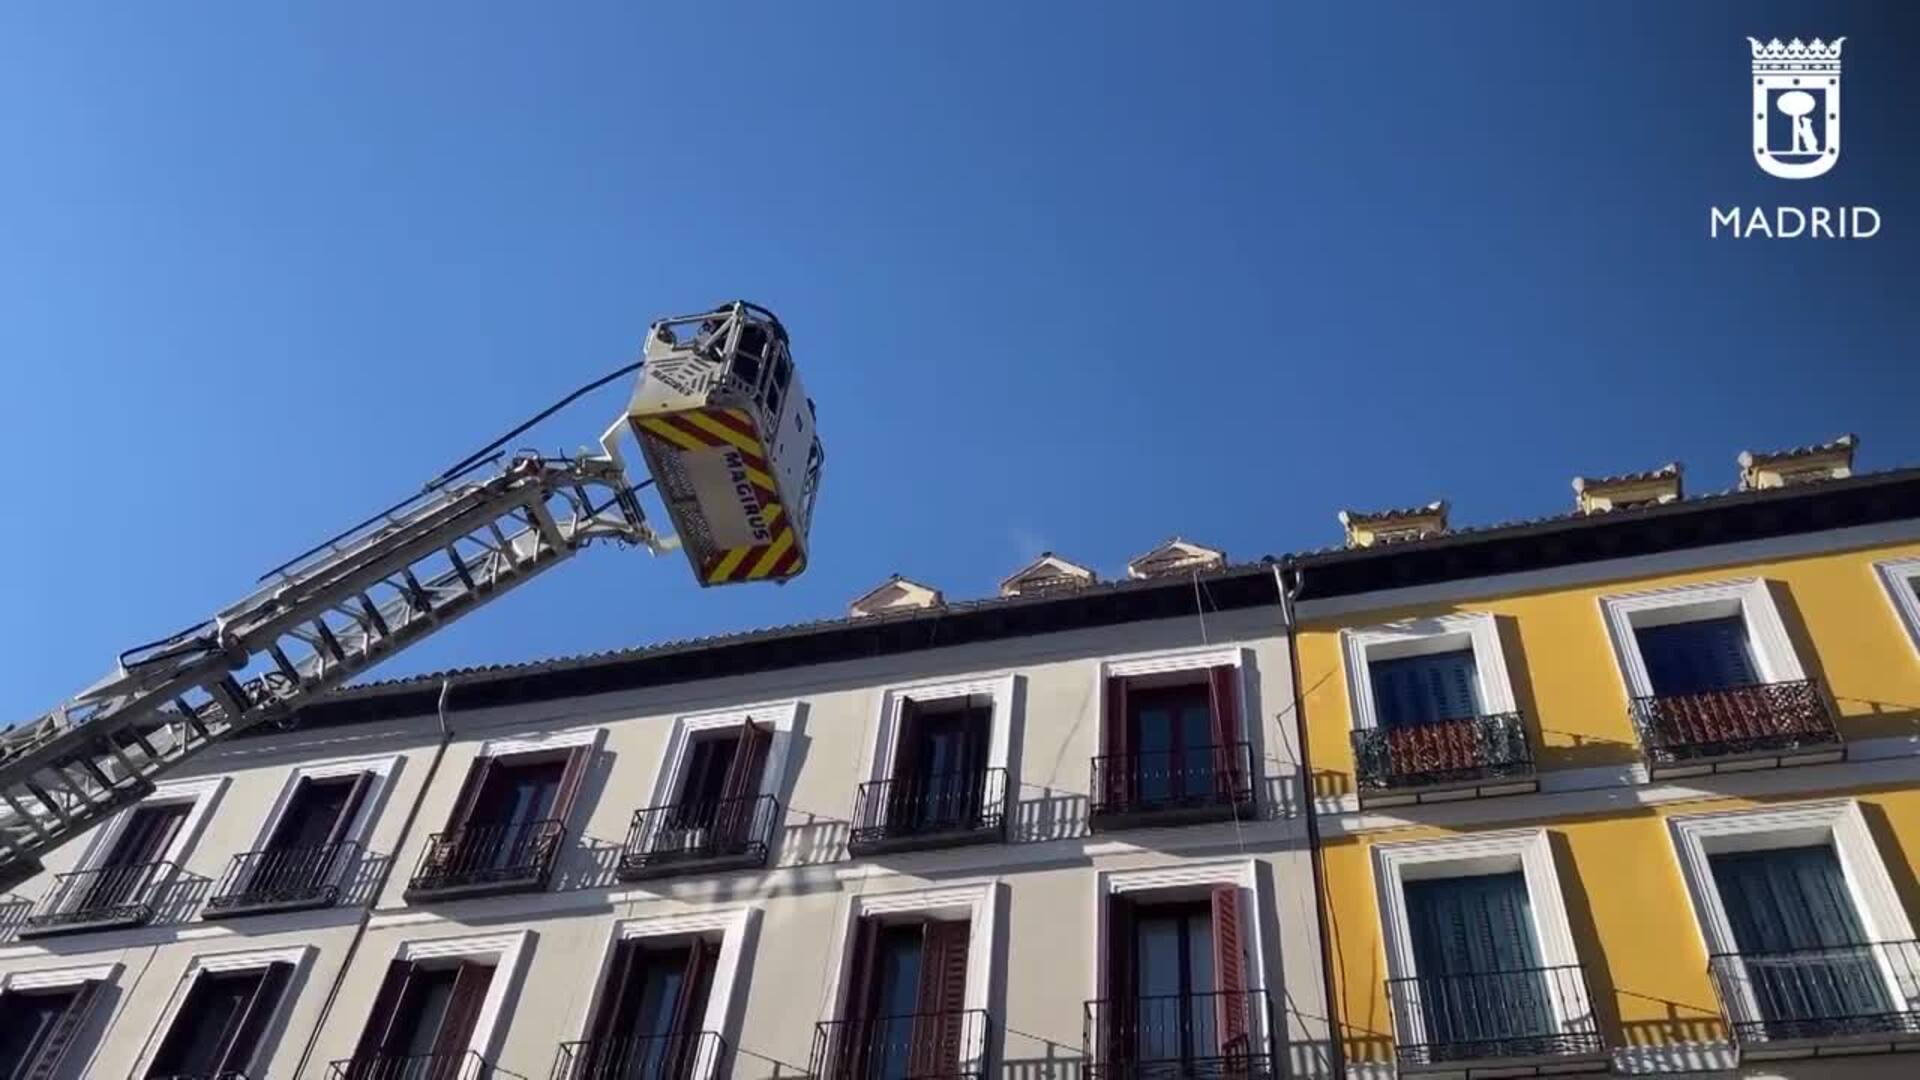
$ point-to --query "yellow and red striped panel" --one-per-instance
(732, 429)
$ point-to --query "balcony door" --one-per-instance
(906, 998)
(939, 765)
(220, 1026)
(127, 871)
(714, 809)
(37, 1028)
(648, 1026)
(1805, 956)
(1178, 1000)
(301, 853)
(1478, 976)
(423, 1021)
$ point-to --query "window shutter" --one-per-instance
(906, 744)
(847, 1055)
(616, 996)
(1414, 690)
(463, 1008)
(747, 770)
(1117, 1024)
(1230, 972)
(350, 809)
(1698, 656)
(289, 814)
(1117, 777)
(469, 798)
(1795, 900)
(1229, 772)
(244, 1043)
(379, 1034)
(53, 1049)
(942, 998)
(572, 776)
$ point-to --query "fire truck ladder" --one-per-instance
(313, 624)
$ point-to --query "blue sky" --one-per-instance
(1073, 276)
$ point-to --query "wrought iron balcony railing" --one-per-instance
(483, 860)
(1694, 733)
(725, 834)
(1544, 1013)
(1193, 784)
(690, 1055)
(1487, 752)
(465, 1065)
(1782, 1002)
(283, 879)
(929, 811)
(100, 899)
(924, 1046)
(224, 1074)
(1207, 1036)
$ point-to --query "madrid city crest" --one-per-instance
(1796, 107)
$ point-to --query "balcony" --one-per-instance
(107, 898)
(465, 1065)
(929, 812)
(1205, 1036)
(924, 1046)
(283, 880)
(727, 834)
(1738, 728)
(1531, 1022)
(1442, 760)
(487, 860)
(1174, 787)
(1848, 999)
(696, 1055)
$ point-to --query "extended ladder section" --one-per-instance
(313, 624)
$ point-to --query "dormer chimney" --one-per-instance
(1601, 494)
(1048, 573)
(1800, 465)
(1367, 529)
(1176, 556)
(895, 594)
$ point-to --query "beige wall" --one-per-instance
(1044, 883)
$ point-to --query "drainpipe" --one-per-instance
(1286, 569)
(386, 873)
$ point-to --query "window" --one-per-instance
(1172, 745)
(509, 821)
(219, 1028)
(1480, 961)
(308, 851)
(941, 786)
(423, 1018)
(1807, 941)
(38, 1025)
(121, 881)
(662, 1003)
(1412, 690)
(1901, 579)
(1179, 991)
(714, 806)
(1697, 656)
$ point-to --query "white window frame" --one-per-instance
(300, 956)
(1478, 631)
(893, 702)
(1836, 822)
(382, 769)
(1750, 598)
(56, 978)
(1529, 851)
(781, 716)
(506, 746)
(979, 904)
(1179, 662)
(201, 795)
(734, 927)
(1187, 879)
(1901, 579)
(508, 952)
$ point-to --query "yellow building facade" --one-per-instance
(1636, 790)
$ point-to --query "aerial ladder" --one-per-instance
(729, 442)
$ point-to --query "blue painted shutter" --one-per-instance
(1695, 657)
(1475, 954)
(1799, 937)
(1423, 689)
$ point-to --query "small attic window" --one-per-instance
(1048, 573)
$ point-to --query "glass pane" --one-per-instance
(1154, 751)
(206, 1022)
(25, 1021)
(429, 1009)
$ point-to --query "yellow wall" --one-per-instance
(1633, 925)
(1566, 681)
(1632, 922)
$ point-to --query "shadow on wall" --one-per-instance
(808, 839)
(1060, 1064)
(13, 912)
(1558, 748)
(1586, 937)
(364, 881)
(180, 900)
(1886, 842)
(1048, 815)
(1367, 1051)
(1857, 718)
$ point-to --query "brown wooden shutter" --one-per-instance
(1229, 771)
(357, 795)
(940, 1027)
(377, 1036)
(243, 1044)
(616, 995)
(847, 1054)
(906, 743)
(470, 789)
(53, 1049)
(289, 814)
(572, 776)
(463, 1007)
(734, 819)
(1230, 971)
(1116, 1021)
(1117, 744)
